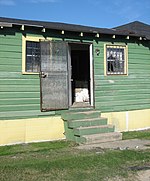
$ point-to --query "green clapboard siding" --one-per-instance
(10, 54)
(8, 61)
(9, 41)
(20, 88)
(19, 94)
(121, 93)
(10, 48)
(24, 114)
(16, 75)
(19, 101)
(24, 107)
(12, 68)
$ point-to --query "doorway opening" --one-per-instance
(80, 75)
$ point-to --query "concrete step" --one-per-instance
(99, 138)
(93, 130)
(87, 122)
(72, 109)
(86, 114)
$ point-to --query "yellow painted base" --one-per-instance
(129, 121)
(52, 128)
(31, 130)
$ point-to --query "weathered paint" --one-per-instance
(29, 38)
(120, 98)
(121, 93)
(129, 120)
(54, 77)
(31, 130)
(19, 94)
(112, 93)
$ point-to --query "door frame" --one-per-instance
(91, 72)
(91, 75)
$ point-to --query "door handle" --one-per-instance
(43, 75)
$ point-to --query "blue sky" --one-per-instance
(98, 13)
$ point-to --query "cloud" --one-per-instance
(43, 1)
(7, 2)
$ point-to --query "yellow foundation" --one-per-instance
(31, 130)
(52, 128)
(130, 120)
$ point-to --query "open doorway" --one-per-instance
(80, 75)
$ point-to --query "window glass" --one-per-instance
(115, 60)
(32, 56)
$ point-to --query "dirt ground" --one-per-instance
(133, 144)
(144, 175)
(140, 176)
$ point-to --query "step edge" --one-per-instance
(104, 134)
(102, 141)
(89, 119)
(103, 137)
(99, 126)
(79, 112)
(86, 124)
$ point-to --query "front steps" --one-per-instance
(101, 138)
(86, 126)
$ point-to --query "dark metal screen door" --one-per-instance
(54, 75)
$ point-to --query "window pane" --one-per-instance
(32, 56)
(115, 60)
(29, 51)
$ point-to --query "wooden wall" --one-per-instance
(19, 94)
(121, 93)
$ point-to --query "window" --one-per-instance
(116, 60)
(31, 53)
(32, 63)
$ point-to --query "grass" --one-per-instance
(145, 134)
(61, 161)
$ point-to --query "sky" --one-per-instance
(96, 13)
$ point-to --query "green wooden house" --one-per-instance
(70, 81)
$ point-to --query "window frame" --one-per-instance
(125, 47)
(24, 40)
